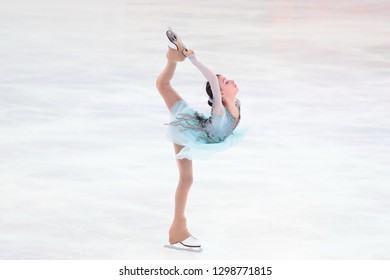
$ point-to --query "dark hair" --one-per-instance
(210, 92)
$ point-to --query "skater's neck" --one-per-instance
(230, 104)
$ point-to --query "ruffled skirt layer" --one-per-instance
(187, 131)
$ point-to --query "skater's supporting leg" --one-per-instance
(178, 230)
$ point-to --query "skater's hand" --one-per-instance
(189, 53)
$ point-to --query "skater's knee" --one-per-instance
(161, 85)
(186, 180)
(158, 83)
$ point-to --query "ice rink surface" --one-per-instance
(87, 173)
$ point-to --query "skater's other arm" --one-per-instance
(214, 84)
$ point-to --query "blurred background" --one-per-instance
(86, 171)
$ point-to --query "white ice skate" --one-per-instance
(174, 41)
(191, 244)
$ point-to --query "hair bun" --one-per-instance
(210, 94)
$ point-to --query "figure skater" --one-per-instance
(192, 134)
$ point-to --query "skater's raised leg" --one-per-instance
(163, 82)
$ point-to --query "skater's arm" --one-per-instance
(213, 80)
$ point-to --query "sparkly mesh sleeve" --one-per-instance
(213, 80)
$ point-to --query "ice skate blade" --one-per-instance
(175, 41)
(169, 42)
(180, 247)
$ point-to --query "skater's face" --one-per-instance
(227, 86)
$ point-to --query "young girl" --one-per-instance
(193, 135)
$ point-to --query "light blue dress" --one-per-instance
(201, 136)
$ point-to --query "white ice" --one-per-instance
(87, 173)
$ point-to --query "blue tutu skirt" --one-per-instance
(193, 140)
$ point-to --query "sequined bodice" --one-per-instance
(218, 133)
